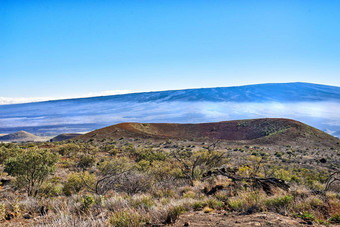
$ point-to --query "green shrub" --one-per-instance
(316, 202)
(143, 165)
(161, 193)
(236, 204)
(69, 149)
(86, 161)
(31, 168)
(87, 202)
(279, 203)
(126, 219)
(174, 213)
(50, 189)
(214, 203)
(76, 182)
(2, 211)
(6, 153)
(67, 163)
(335, 218)
(189, 195)
(198, 205)
(150, 155)
(16, 208)
(307, 216)
(222, 196)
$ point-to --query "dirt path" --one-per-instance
(228, 219)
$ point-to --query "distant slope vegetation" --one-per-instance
(20, 136)
(266, 130)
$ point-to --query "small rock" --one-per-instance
(27, 216)
(186, 224)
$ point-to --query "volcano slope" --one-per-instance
(20, 136)
(255, 131)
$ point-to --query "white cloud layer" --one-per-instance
(12, 100)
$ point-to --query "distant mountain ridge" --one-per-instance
(270, 92)
(314, 104)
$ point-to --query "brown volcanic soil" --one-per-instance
(199, 218)
(261, 131)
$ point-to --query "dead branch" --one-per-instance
(265, 183)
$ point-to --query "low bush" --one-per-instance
(236, 204)
(279, 204)
(335, 218)
(246, 202)
(198, 205)
(86, 203)
(77, 181)
(144, 202)
(173, 213)
(2, 212)
(189, 195)
(306, 216)
(86, 161)
(126, 219)
(214, 203)
(51, 189)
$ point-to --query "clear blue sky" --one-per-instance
(59, 48)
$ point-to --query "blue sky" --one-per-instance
(77, 48)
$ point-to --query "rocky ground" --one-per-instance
(223, 218)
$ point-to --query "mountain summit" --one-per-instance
(263, 131)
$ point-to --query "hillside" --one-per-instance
(20, 136)
(315, 104)
(64, 136)
(266, 130)
(234, 173)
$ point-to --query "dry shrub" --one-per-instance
(116, 203)
(173, 214)
(133, 183)
(142, 201)
(30, 205)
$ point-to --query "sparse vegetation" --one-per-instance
(130, 182)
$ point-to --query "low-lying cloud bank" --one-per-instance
(323, 115)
